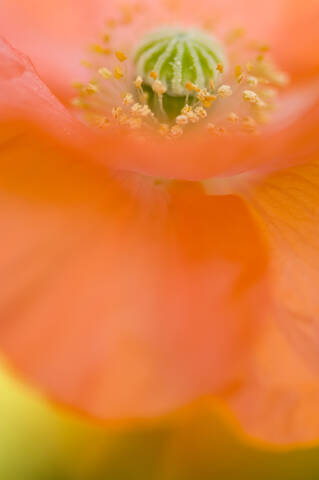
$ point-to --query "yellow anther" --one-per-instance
(177, 131)
(203, 94)
(208, 102)
(212, 84)
(158, 87)
(249, 67)
(117, 112)
(99, 49)
(78, 85)
(136, 108)
(163, 129)
(141, 110)
(106, 37)
(264, 48)
(201, 112)
(206, 98)
(233, 117)
(105, 73)
(138, 82)
(192, 117)
(121, 56)
(187, 109)
(86, 64)
(90, 89)
(191, 87)
(153, 75)
(128, 99)
(97, 120)
(225, 91)
(118, 73)
(238, 71)
(127, 14)
(212, 128)
(249, 124)
(146, 111)
(250, 96)
(182, 120)
(220, 68)
(235, 34)
(252, 81)
(239, 74)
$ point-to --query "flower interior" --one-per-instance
(177, 79)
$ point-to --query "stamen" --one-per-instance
(249, 124)
(178, 80)
(252, 81)
(91, 88)
(233, 117)
(159, 88)
(177, 131)
(225, 91)
(118, 73)
(120, 56)
(138, 82)
(201, 112)
(252, 97)
(100, 49)
(105, 73)
(128, 99)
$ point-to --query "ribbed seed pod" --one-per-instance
(177, 57)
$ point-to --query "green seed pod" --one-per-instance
(178, 57)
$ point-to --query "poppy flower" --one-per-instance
(159, 226)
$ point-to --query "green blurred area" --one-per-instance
(40, 442)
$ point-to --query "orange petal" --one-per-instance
(292, 137)
(195, 157)
(277, 401)
(296, 42)
(23, 95)
(279, 398)
(122, 297)
(55, 33)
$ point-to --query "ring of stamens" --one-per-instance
(137, 96)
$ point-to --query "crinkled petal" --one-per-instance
(278, 400)
(23, 95)
(121, 295)
(292, 138)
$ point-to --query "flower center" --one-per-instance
(177, 80)
(171, 62)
